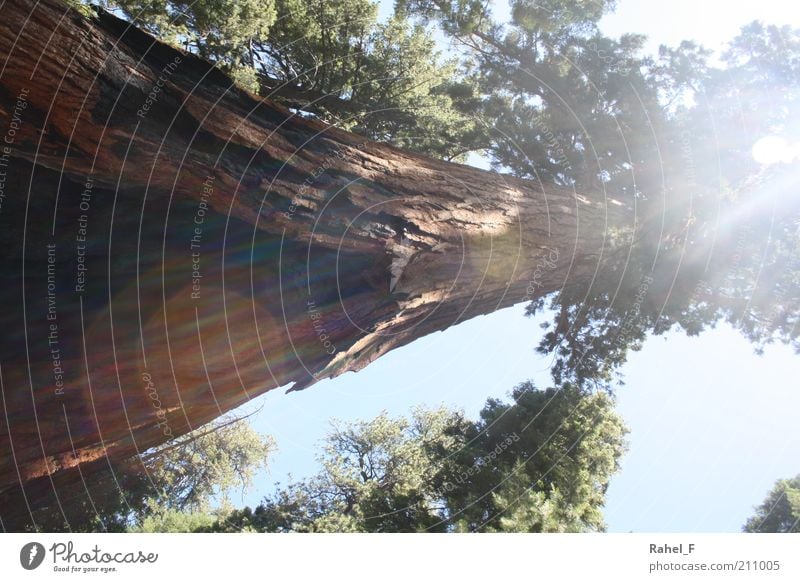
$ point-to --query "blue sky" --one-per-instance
(712, 424)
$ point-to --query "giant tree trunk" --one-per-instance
(173, 246)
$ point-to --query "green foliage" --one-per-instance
(669, 136)
(83, 7)
(331, 58)
(192, 469)
(408, 93)
(557, 16)
(169, 488)
(160, 520)
(245, 77)
(112, 495)
(561, 449)
(376, 476)
(780, 511)
(538, 464)
(318, 45)
(219, 30)
(386, 81)
(524, 509)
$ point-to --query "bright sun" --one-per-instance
(773, 149)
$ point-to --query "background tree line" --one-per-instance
(539, 462)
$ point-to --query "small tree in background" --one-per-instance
(170, 488)
(780, 511)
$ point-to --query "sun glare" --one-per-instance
(773, 149)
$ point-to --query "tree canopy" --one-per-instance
(780, 511)
(539, 463)
(716, 235)
(385, 80)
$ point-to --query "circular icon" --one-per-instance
(31, 555)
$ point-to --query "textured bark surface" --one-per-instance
(133, 168)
